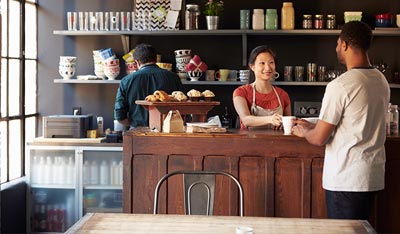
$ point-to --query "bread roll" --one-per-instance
(161, 95)
(151, 98)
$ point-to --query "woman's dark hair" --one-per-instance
(356, 34)
(145, 53)
(253, 56)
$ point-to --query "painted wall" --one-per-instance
(217, 51)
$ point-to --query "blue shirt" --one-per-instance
(136, 86)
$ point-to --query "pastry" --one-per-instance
(151, 98)
(161, 95)
(194, 93)
(208, 93)
(179, 96)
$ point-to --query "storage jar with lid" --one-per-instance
(319, 22)
(331, 21)
(307, 22)
(192, 16)
(271, 19)
(392, 121)
(258, 19)
(287, 14)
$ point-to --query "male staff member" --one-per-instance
(352, 126)
(138, 85)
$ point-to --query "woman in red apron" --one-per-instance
(259, 103)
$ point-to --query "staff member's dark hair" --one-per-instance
(357, 34)
(145, 53)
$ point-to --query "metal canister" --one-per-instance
(319, 22)
(307, 22)
(311, 72)
(331, 21)
(192, 17)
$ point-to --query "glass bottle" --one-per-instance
(287, 14)
(258, 19)
(307, 22)
(226, 119)
(271, 19)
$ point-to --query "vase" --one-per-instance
(212, 22)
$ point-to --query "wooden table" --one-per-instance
(152, 224)
(159, 110)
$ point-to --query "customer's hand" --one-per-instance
(300, 126)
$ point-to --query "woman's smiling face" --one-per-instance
(264, 66)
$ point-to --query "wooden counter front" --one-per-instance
(280, 175)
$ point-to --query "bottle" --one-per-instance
(104, 173)
(40, 170)
(48, 171)
(226, 119)
(70, 176)
(94, 173)
(393, 119)
(113, 172)
(120, 170)
(258, 19)
(271, 19)
(287, 14)
(86, 172)
(100, 126)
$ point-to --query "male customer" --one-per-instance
(138, 85)
(352, 126)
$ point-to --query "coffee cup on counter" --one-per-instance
(222, 74)
(210, 75)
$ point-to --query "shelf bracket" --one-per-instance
(244, 49)
(125, 43)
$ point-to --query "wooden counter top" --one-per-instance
(281, 175)
(184, 224)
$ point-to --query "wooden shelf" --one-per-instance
(186, 82)
(222, 32)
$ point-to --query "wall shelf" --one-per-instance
(186, 82)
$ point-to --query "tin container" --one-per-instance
(311, 72)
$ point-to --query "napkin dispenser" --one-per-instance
(67, 126)
(173, 122)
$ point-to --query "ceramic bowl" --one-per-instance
(194, 75)
(67, 73)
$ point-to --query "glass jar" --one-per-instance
(258, 19)
(330, 21)
(192, 17)
(307, 22)
(287, 14)
(392, 121)
(319, 22)
(271, 19)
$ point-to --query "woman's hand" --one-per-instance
(275, 120)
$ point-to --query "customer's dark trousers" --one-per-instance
(349, 205)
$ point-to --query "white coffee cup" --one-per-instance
(287, 124)
(244, 75)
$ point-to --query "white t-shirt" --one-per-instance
(356, 102)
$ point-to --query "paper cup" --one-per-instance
(287, 124)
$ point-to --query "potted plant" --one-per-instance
(213, 10)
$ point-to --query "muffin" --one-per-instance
(208, 95)
(194, 95)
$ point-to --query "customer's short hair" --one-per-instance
(357, 34)
(145, 53)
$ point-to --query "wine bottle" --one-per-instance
(226, 119)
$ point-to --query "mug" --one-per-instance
(244, 75)
(210, 75)
(233, 74)
(222, 74)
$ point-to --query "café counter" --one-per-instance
(281, 175)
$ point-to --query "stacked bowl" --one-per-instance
(67, 66)
(182, 57)
(111, 66)
(98, 65)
